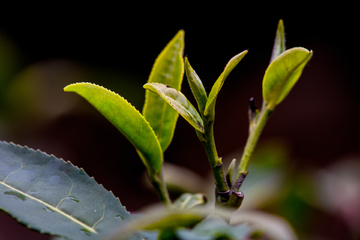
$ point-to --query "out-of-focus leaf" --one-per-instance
(125, 118)
(179, 179)
(158, 219)
(52, 196)
(214, 228)
(188, 201)
(282, 74)
(344, 176)
(279, 42)
(196, 86)
(210, 104)
(272, 226)
(169, 70)
(179, 102)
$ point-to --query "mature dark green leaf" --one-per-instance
(188, 201)
(210, 104)
(169, 70)
(279, 42)
(196, 86)
(125, 118)
(52, 196)
(282, 74)
(179, 102)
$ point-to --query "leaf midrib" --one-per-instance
(55, 209)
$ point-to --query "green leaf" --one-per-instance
(279, 42)
(196, 86)
(214, 228)
(210, 104)
(282, 74)
(177, 184)
(188, 200)
(268, 226)
(162, 219)
(230, 173)
(52, 196)
(179, 102)
(169, 70)
(125, 118)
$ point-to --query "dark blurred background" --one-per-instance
(115, 46)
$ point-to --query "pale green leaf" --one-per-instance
(270, 226)
(210, 104)
(196, 86)
(188, 201)
(177, 183)
(230, 173)
(179, 102)
(279, 42)
(159, 219)
(169, 70)
(52, 196)
(125, 118)
(214, 228)
(282, 74)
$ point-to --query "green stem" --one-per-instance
(158, 182)
(254, 134)
(208, 141)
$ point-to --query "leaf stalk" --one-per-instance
(208, 141)
(159, 184)
(256, 127)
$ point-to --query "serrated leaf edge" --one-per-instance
(142, 116)
(91, 229)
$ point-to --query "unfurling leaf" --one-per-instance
(52, 196)
(282, 74)
(279, 42)
(210, 104)
(125, 118)
(169, 70)
(179, 102)
(230, 173)
(196, 86)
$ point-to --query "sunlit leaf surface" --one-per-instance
(125, 118)
(283, 73)
(210, 104)
(196, 86)
(169, 70)
(179, 102)
(279, 42)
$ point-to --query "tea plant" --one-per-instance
(52, 196)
